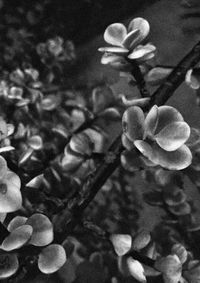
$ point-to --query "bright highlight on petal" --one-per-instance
(115, 34)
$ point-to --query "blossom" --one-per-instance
(160, 137)
(127, 42)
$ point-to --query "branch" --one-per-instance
(105, 170)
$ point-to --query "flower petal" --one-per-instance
(131, 38)
(108, 58)
(142, 25)
(115, 34)
(51, 258)
(135, 101)
(151, 121)
(166, 115)
(173, 136)
(10, 197)
(141, 51)
(114, 50)
(173, 160)
(133, 123)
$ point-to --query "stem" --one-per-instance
(136, 72)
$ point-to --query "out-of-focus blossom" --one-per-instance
(160, 137)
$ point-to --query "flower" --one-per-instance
(127, 43)
(160, 137)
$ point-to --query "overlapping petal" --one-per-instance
(173, 160)
(142, 25)
(151, 121)
(173, 136)
(131, 38)
(167, 114)
(141, 51)
(133, 123)
(115, 34)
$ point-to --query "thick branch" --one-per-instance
(160, 97)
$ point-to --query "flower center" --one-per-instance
(3, 188)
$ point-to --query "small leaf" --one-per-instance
(42, 230)
(16, 222)
(17, 238)
(35, 182)
(51, 259)
(180, 251)
(50, 102)
(143, 26)
(8, 265)
(35, 142)
(170, 266)
(173, 136)
(121, 243)
(181, 209)
(25, 156)
(82, 144)
(157, 75)
(133, 123)
(136, 270)
(3, 167)
(141, 240)
(115, 34)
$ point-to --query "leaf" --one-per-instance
(141, 52)
(151, 121)
(133, 123)
(180, 251)
(36, 182)
(17, 238)
(35, 142)
(157, 75)
(130, 38)
(51, 259)
(143, 26)
(25, 156)
(115, 34)
(141, 240)
(136, 270)
(42, 230)
(8, 265)
(16, 222)
(173, 136)
(121, 243)
(3, 167)
(115, 50)
(82, 144)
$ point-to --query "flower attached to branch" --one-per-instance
(127, 44)
(160, 137)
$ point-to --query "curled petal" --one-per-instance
(135, 101)
(192, 80)
(173, 160)
(142, 25)
(166, 115)
(151, 121)
(173, 136)
(142, 51)
(115, 34)
(157, 75)
(114, 50)
(133, 123)
(131, 38)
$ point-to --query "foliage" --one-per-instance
(60, 146)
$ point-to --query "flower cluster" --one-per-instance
(160, 137)
(127, 44)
